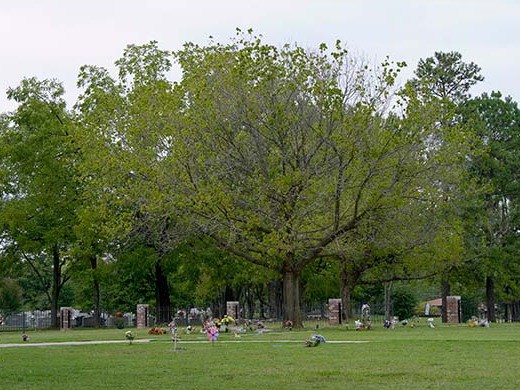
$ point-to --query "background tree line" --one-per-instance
(276, 176)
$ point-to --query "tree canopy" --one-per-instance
(261, 165)
(38, 184)
(284, 152)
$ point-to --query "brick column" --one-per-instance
(233, 309)
(65, 318)
(142, 316)
(453, 312)
(334, 311)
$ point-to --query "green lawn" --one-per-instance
(448, 357)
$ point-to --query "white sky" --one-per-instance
(53, 38)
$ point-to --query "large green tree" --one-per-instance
(494, 233)
(285, 151)
(126, 127)
(38, 183)
(416, 241)
(442, 84)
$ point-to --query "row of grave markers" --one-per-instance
(233, 310)
(142, 315)
(453, 304)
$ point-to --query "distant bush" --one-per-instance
(403, 303)
(10, 297)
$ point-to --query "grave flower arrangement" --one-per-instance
(129, 335)
(157, 331)
(315, 340)
(212, 331)
(226, 321)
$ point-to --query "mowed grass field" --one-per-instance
(447, 357)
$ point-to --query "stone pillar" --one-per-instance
(65, 318)
(453, 310)
(142, 316)
(334, 311)
(233, 309)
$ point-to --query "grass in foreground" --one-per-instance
(449, 357)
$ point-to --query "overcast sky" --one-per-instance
(53, 38)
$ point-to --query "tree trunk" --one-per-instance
(291, 297)
(490, 299)
(56, 286)
(388, 300)
(347, 282)
(445, 291)
(230, 295)
(96, 292)
(249, 299)
(275, 299)
(259, 294)
(515, 311)
(162, 296)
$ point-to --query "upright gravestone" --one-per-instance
(65, 318)
(453, 309)
(334, 311)
(233, 309)
(142, 316)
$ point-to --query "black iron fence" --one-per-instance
(42, 320)
(313, 315)
(184, 317)
(26, 320)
